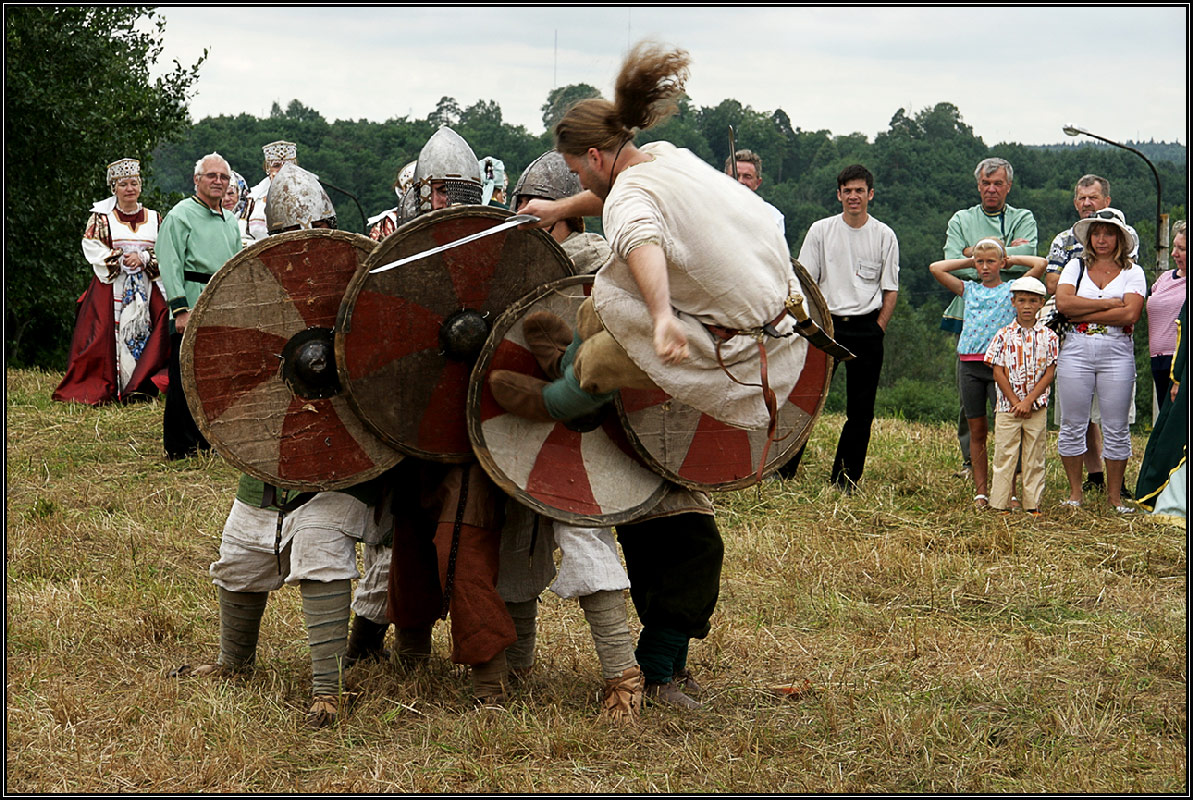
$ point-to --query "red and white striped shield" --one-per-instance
(695, 450)
(258, 364)
(591, 478)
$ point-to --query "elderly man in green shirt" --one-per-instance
(993, 218)
(194, 241)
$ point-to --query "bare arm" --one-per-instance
(1035, 265)
(1069, 304)
(1051, 280)
(888, 309)
(1043, 383)
(648, 265)
(585, 204)
(1107, 310)
(941, 271)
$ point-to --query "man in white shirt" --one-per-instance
(854, 259)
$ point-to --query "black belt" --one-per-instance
(869, 317)
(197, 277)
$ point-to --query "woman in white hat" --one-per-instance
(1103, 297)
(121, 342)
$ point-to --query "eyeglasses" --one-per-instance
(212, 176)
(1105, 214)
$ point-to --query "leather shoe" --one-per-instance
(668, 693)
(519, 394)
(548, 337)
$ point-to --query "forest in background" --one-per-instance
(923, 166)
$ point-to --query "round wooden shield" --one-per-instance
(586, 478)
(407, 338)
(695, 450)
(258, 364)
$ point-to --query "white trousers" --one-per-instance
(1101, 366)
(318, 544)
(588, 562)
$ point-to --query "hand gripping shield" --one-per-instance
(591, 478)
(407, 338)
(258, 364)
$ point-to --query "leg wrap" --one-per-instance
(681, 658)
(413, 645)
(325, 606)
(565, 399)
(658, 650)
(488, 679)
(240, 627)
(367, 639)
(520, 654)
(606, 615)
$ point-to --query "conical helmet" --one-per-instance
(447, 157)
(296, 199)
(548, 177)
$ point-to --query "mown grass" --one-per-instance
(946, 649)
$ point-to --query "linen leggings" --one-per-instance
(1102, 366)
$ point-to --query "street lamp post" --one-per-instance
(1161, 218)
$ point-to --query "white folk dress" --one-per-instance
(131, 286)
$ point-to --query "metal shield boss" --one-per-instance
(591, 478)
(258, 364)
(697, 451)
(407, 338)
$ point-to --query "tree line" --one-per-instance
(923, 165)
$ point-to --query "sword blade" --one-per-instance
(733, 151)
(512, 222)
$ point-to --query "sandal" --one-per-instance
(1124, 510)
(981, 501)
(1014, 504)
(1071, 503)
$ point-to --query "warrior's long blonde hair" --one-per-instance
(650, 81)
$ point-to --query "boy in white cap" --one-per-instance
(1023, 356)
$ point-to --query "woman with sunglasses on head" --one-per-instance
(1102, 295)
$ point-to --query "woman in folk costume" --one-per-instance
(121, 341)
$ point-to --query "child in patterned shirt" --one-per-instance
(1023, 357)
(987, 308)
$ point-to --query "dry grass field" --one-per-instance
(947, 649)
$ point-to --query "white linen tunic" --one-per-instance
(727, 265)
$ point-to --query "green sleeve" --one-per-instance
(1024, 228)
(954, 242)
(170, 247)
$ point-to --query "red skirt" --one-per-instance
(91, 372)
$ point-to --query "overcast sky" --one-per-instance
(1017, 74)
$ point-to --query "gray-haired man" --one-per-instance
(194, 241)
(749, 173)
(993, 218)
